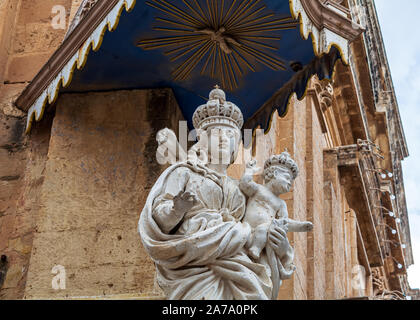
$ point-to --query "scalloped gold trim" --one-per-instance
(64, 78)
(289, 100)
(314, 38)
(343, 59)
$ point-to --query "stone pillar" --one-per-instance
(100, 168)
(315, 142)
(291, 133)
(333, 228)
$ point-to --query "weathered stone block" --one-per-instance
(37, 11)
(101, 163)
(36, 37)
(24, 68)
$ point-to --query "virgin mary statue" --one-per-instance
(191, 224)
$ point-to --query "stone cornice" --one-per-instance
(333, 16)
(64, 53)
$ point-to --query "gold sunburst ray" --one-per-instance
(179, 11)
(183, 47)
(213, 62)
(209, 12)
(175, 30)
(174, 23)
(222, 9)
(188, 50)
(249, 18)
(203, 70)
(274, 23)
(244, 60)
(271, 63)
(245, 10)
(169, 12)
(236, 66)
(261, 44)
(195, 12)
(202, 12)
(185, 69)
(237, 12)
(227, 15)
(224, 39)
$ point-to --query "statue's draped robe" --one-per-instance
(205, 257)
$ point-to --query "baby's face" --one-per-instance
(282, 180)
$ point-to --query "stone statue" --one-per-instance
(264, 205)
(193, 224)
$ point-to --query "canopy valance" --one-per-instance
(251, 48)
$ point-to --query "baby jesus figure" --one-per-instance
(264, 205)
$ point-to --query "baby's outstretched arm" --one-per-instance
(247, 184)
(293, 225)
(299, 226)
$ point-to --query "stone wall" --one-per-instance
(22, 163)
(12, 165)
(101, 165)
(334, 237)
(314, 166)
(27, 40)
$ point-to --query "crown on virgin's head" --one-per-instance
(218, 111)
(283, 160)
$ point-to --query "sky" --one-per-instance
(399, 25)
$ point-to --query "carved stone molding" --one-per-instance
(328, 22)
(378, 281)
(84, 8)
(381, 287)
(354, 162)
(322, 93)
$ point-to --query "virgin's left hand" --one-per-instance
(277, 237)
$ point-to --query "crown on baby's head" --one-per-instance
(282, 160)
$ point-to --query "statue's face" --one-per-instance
(223, 144)
(282, 181)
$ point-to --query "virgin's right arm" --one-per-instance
(247, 184)
(164, 211)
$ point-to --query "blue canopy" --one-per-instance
(253, 49)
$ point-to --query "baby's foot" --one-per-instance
(254, 253)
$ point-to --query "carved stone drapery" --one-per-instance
(381, 287)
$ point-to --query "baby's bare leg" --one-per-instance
(259, 241)
(299, 226)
